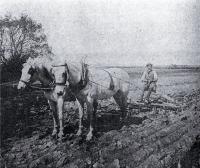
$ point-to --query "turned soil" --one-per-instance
(26, 126)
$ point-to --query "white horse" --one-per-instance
(90, 85)
(41, 69)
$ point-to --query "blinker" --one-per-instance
(31, 71)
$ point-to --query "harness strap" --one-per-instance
(26, 83)
(58, 65)
(62, 65)
(60, 83)
(67, 78)
(83, 82)
(41, 88)
(51, 85)
(84, 75)
(112, 86)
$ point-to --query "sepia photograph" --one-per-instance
(100, 83)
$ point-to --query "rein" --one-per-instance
(62, 83)
(62, 65)
(59, 65)
(41, 88)
(26, 83)
(51, 86)
(82, 83)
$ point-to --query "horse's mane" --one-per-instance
(65, 60)
(39, 61)
(76, 65)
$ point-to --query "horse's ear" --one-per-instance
(31, 71)
(33, 66)
(83, 60)
(29, 60)
(51, 71)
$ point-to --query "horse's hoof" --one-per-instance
(54, 133)
(89, 137)
(79, 133)
(60, 139)
(54, 136)
(60, 135)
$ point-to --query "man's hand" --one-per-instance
(149, 82)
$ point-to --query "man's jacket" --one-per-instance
(149, 76)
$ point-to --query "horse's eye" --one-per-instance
(31, 71)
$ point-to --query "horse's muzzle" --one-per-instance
(59, 90)
(21, 85)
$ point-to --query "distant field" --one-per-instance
(171, 81)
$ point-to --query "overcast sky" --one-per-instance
(117, 32)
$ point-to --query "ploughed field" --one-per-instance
(170, 81)
(148, 137)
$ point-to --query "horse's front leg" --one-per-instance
(81, 112)
(60, 103)
(55, 116)
(90, 111)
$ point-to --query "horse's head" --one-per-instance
(27, 76)
(61, 77)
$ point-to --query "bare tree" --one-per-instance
(21, 38)
(2, 47)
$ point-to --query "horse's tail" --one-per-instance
(112, 85)
(84, 75)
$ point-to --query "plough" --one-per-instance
(164, 105)
(158, 101)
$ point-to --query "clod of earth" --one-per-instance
(151, 138)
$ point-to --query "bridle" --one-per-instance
(65, 83)
(26, 83)
(52, 84)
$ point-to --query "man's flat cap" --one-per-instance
(149, 64)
